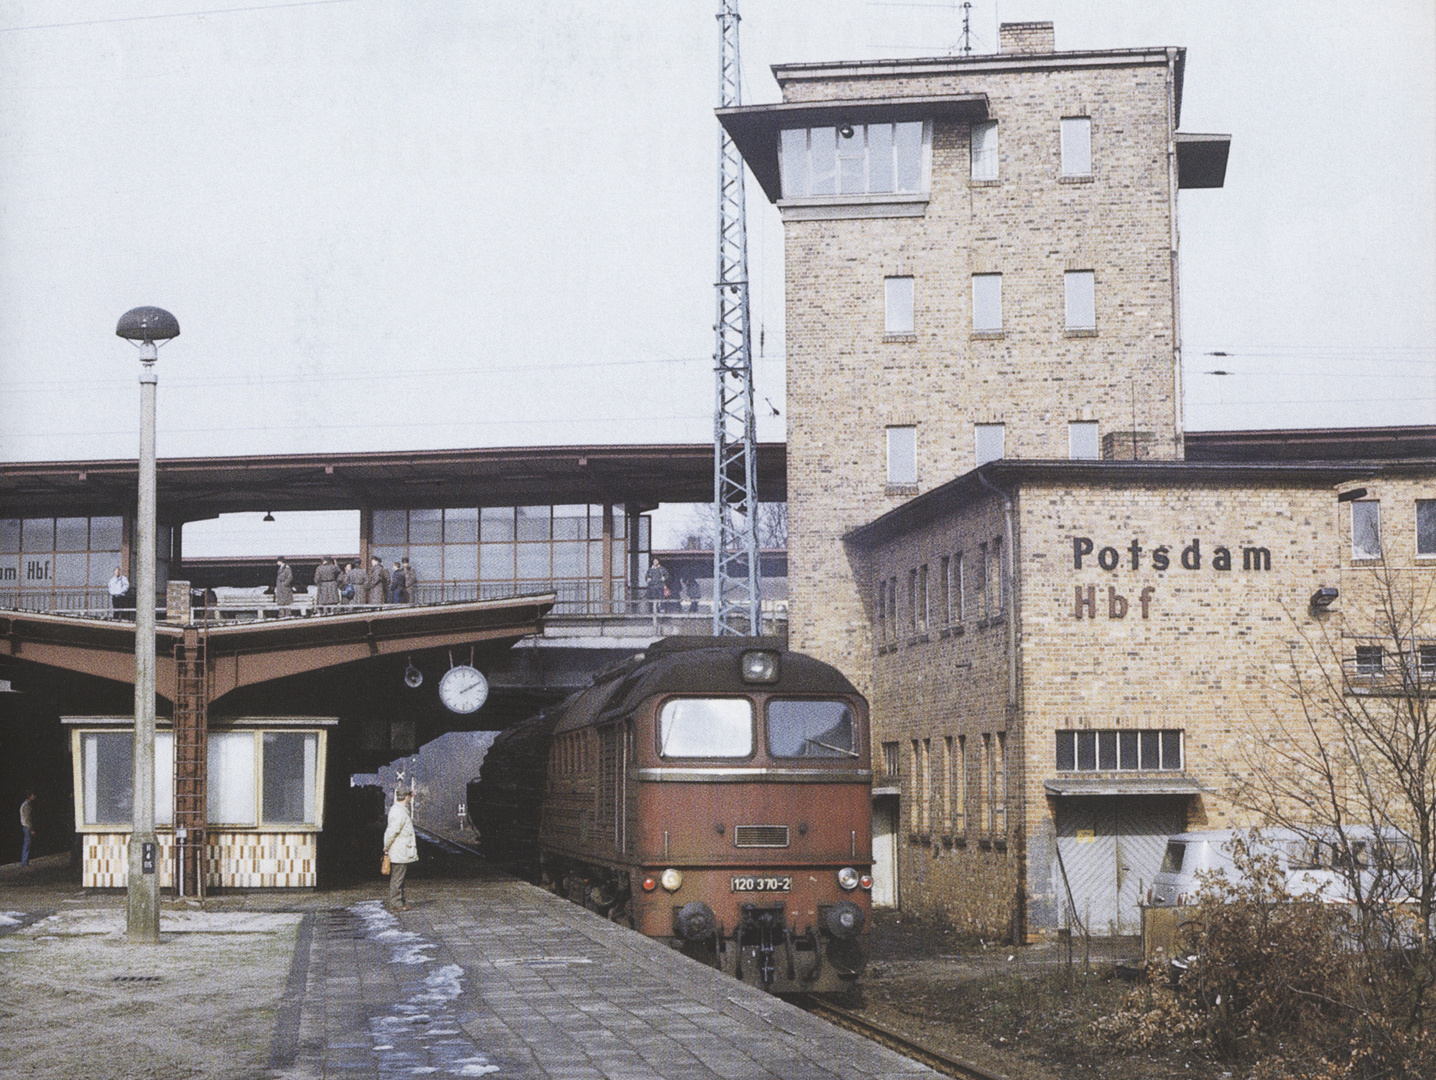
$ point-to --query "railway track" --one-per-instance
(902, 1044)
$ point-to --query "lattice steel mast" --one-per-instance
(736, 590)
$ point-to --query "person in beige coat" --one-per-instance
(401, 846)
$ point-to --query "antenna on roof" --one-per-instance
(966, 29)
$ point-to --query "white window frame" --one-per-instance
(899, 304)
(983, 158)
(1425, 537)
(245, 748)
(902, 455)
(1076, 146)
(1083, 440)
(989, 442)
(1079, 294)
(987, 303)
(797, 155)
(1370, 511)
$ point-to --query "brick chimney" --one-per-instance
(1026, 37)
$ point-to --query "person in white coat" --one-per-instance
(401, 846)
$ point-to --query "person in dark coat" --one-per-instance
(376, 582)
(398, 585)
(411, 580)
(284, 586)
(656, 586)
(351, 582)
(326, 583)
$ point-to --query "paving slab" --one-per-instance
(483, 976)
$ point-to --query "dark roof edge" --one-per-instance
(1002, 475)
(375, 457)
(816, 69)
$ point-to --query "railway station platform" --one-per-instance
(483, 976)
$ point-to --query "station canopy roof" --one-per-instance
(193, 489)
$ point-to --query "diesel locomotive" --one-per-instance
(712, 792)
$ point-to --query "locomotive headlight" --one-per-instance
(844, 920)
(848, 878)
(759, 665)
(671, 879)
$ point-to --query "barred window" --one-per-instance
(1119, 750)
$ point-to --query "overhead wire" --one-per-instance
(176, 15)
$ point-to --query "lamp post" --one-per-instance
(148, 327)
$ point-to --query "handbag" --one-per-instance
(384, 867)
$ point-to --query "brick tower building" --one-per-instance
(1067, 629)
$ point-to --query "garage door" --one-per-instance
(1109, 848)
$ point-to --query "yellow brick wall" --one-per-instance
(846, 383)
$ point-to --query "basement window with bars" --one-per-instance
(1119, 750)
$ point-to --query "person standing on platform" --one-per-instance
(376, 582)
(27, 827)
(401, 846)
(411, 580)
(326, 584)
(350, 581)
(119, 586)
(284, 587)
(656, 586)
(398, 585)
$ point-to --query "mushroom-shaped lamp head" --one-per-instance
(148, 324)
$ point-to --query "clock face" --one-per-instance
(463, 689)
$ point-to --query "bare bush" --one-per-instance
(1275, 985)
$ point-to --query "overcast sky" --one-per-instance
(440, 223)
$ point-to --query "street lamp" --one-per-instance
(148, 327)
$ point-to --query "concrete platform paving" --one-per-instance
(484, 976)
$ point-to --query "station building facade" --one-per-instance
(1065, 626)
(1072, 661)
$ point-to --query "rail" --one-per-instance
(579, 601)
(905, 1045)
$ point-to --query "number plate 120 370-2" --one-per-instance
(752, 883)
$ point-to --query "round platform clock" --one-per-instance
(463, 689)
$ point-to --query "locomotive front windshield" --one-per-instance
(809, 729)
(706, 728)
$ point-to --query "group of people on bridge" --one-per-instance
(335, 587)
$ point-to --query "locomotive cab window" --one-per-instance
(809, 729)
(706, 728)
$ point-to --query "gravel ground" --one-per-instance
(78, 1001)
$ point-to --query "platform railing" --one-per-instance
(577, 600)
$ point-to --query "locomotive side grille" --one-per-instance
(760, 836)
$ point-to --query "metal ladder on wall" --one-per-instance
(190, 731)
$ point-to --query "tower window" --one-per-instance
(1082, 440)
(902, 455)
(1080, 294)
(984, 150)
(986, 303)
(898, 305)
(991, 442)
(854, 159)
(1076, 146)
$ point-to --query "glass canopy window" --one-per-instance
(477, 551)
(65, 561)
(854, 159)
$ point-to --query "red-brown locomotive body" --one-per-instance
(714, 793)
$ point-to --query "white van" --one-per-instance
(1311, 864)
